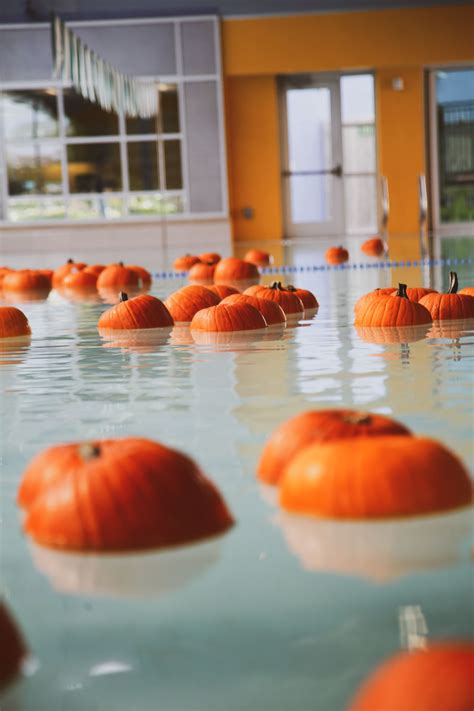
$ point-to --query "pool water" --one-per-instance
(281, 612)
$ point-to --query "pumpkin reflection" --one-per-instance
(149, 575)
(14, 350)
(392, 334)
(377, 550)
(145, 340)
(25, 297)
(451, 329)
(229, 338)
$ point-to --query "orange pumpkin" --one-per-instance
(186, 302)
(95, 269)
(415, 293)
(439, 678)
(80, 280)
(118, 495)
(142, 311)
(13, 650)
(184, 264)
(258, 257)
(469, 290)
(448, 306)
(13, 323)
(253, 290)
(210, 257)
(233, 269)
(26, 280)
(309, 300)
(202, 272)
(61, 272)
(48, 273)
(374, 478)
(373, 247)
(228, 317)
(288, 300)
(319, 426)
(144, 275)
(272, 312)
(392, 310)
(336, 255)
(222, 290)
(366, 298)
(118, 277)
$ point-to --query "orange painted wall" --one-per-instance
(254, 157)
(389, 42)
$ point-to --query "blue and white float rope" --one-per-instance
(290, 269)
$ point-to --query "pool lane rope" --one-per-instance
(292, 269)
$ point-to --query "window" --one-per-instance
(95, 164)
(359, 153)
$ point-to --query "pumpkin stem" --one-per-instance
(70, 261)
(358, 418)
(402, 291)
(88, 451)
(290, 287)
(120, 264)
(453, 283)
(123, 297)
(277, 285)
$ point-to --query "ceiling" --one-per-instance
(40, 10)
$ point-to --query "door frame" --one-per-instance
(337, 224)
(442, 228)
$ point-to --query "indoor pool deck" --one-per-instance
(282, 612)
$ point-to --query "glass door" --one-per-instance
(312, 157)
(452, 148)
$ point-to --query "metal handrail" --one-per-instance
(385, 202)
(423, 216)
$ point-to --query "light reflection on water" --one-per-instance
(256, 627)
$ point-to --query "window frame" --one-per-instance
(122, 138)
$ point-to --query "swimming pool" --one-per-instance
(271, 616)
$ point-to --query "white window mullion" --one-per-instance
(62, 138)
(182, 115)
(124, 162)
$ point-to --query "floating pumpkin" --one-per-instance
(48, 273)
(117, 276)
(233, 269)
(95, 269)
(13, 323)
(468, 290)
(288, 300)
(3, 272)
(374, 478)
(144, 275)
(319, 426)
(186, 302)
(61, 272)
(336, 255)
(439, 678)
(272, 311)
(448, 306)
(222, 290)
(80, 280)
(13, 650)
(202, 272)
(309, 300)
(184, 264)
(118, 495)
(210, 257)
(258, 257)
(374, 247)
(415, 293)
(228, 317)
(253, 290)
(143, 311)
(371, 295)
(392, 310)
(26, 280)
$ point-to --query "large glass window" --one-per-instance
(95, 163)
(455, 129)
(359, 153)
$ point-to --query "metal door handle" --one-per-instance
(337, 171)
